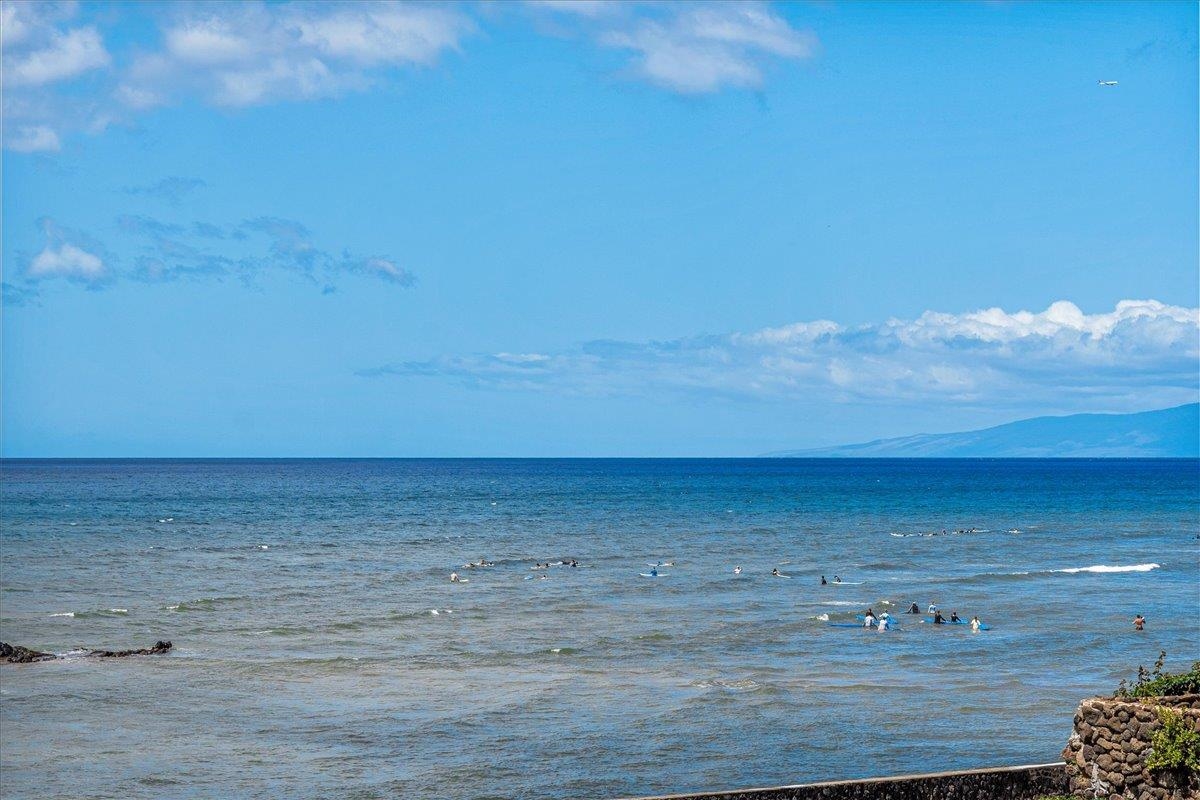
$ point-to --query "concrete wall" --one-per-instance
(1009, 783)
(1106, 754)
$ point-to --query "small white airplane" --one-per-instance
(1107, 83)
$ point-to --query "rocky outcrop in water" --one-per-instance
(16, 654)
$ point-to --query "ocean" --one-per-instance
(321, 649)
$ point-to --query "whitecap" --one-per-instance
(855, 603)
(117, 610)
(64, 614)
(823, 617)
(1102, 568)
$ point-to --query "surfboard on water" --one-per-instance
(650, 575)
(845, 583)
(660, 564)
(780, 575)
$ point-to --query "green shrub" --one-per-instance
(1156, 683)
(1174, 745)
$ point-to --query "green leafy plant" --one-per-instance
(1174, 745)
(1156, 683)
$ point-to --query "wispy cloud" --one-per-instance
(156, 251)
(692, 48)
(1142, 350)
(172, 189)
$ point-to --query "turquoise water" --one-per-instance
(309, 662)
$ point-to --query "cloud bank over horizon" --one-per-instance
(1141, 354)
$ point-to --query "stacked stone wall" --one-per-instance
(1106, 755)
(1005, 783)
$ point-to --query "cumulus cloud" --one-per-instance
(66, 255)
(60, 77)
(1142, 350)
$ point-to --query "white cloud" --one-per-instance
(65, 260)
(1142, 350)
(66, 55)
(33, 139)
(254, 54)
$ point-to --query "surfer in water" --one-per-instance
(869, 619)
(914, 609)
(975, 623)
(454, 577)
(938, 619)
(823, 581)
(1139, 623)
(737, 570)
(954, 617)
(775, 572)
(836, 579)
(885, 621)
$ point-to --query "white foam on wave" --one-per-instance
(117, 610)
(823, 617)
(1101, 568)
(64, 614)
(855, 603)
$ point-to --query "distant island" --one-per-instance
(1166, 433)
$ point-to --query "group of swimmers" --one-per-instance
(939, 619)
(483, 562)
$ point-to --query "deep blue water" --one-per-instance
(299, 595)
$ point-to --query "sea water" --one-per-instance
(321, 649)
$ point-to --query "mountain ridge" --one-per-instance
(1161, 433)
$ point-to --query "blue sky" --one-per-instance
(589, 228)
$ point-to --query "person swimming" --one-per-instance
(775, 571)
(654, 572)
(975, 623)
(932, 608)
(836, 579)
(885, 621)
(823, 581)
(914, 609)
(454, 577)
(1139, 623)
(737, 570)
(954, 617)
(869, 620)
(938, 619)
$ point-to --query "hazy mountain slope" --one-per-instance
(1169, 432)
